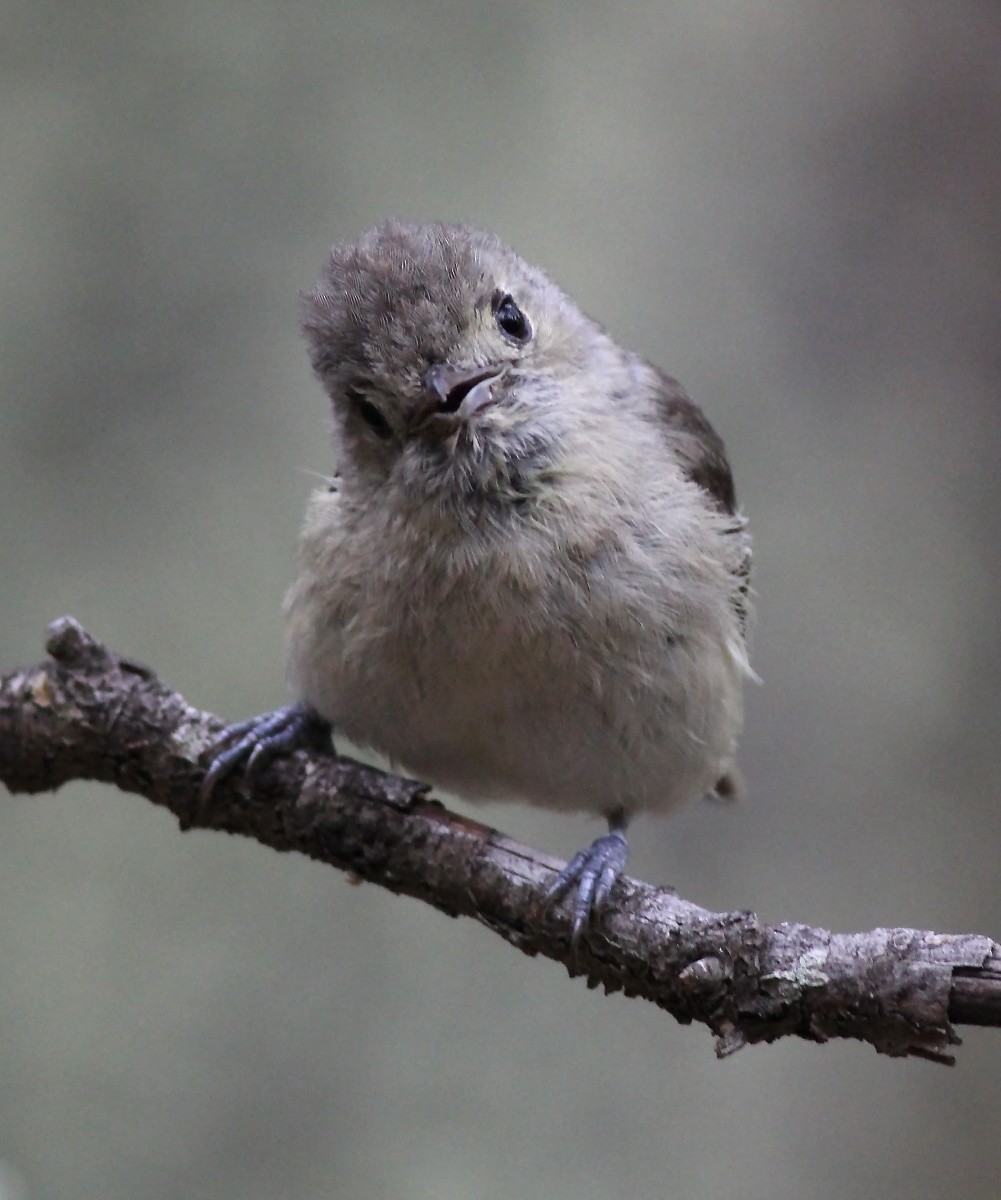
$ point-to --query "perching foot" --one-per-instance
(591, 874)
(254, 743)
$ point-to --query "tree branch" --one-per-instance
(86, 713)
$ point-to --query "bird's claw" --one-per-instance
(252, 744)
(592, 873)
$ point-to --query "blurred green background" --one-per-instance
(795, 208)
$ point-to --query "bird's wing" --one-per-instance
(699, 446)
(703, 458)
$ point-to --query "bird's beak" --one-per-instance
(456, 391)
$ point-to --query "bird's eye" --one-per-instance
(511, 321)
(370, 414)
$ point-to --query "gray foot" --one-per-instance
(591, 874)
(253, 744)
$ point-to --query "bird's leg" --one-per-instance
(591, 874)
(254, 743)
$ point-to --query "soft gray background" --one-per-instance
(792, 206)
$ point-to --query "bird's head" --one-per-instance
(445, 356)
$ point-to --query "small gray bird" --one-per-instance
(529, 578)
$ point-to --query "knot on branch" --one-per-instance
(72, 646)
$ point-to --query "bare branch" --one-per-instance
(86, 713)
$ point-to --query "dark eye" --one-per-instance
(370, 414)
(511, 321)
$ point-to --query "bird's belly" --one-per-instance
(509, 722)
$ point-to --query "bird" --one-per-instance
(528, 579)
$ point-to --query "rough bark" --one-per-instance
(85, 713)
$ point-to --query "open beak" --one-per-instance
(456, 391)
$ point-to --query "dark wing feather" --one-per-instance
(703, 458)
(700, 447)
